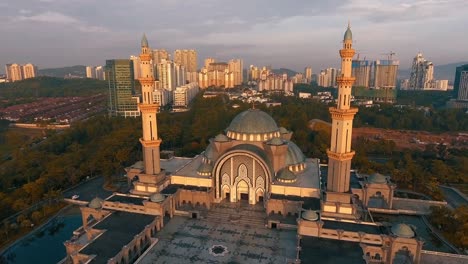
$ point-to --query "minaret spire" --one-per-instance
(340, 153)
(150, 140)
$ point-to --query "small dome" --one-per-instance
(209, 152)
(205, 169)
(253, 125)
(295, 155)
(95, 203)
(221, 138)
(144, 41)
(285, 175)
(377, 178)
(403, 230)
(283, 130)
(310, 215)
(348, 35)
(276, 141)
(157, 198)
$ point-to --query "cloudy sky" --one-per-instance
(281, 33)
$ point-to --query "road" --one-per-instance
(89, 190)
(453, 198)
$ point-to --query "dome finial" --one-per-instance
(144, 41)
(348, 35)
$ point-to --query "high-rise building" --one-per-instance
(167, 75)
(338, 199)
(150, 140)
(236, 66)
(361, 70)
(422, 73)
(119, 76)
(461, 83)
(187, 58)
(308, 74)
(100, 73)
(327, 77)
(29, 71)
(385, 74)
(184, 94)
(136, 66)
(14, 72)
(180, 75)
(91, 72)
(159, 55)
(208, 62)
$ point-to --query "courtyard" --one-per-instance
(185, 240)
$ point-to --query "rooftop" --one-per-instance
(355, 227)
(127, 199)
(121, 227)
(321, 250)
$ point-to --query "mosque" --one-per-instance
(254, 163)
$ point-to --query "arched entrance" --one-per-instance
(259, 195)
(226, 193)
(242, 191)
(242, 174)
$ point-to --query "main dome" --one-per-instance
(253, 125)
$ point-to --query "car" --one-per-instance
(76, 196)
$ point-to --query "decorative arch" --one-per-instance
(260, 164)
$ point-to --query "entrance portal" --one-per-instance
(242, 191)
(244, 196)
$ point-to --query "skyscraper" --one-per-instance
(119, 76)
(159, 55)
(29, 71)
(188, 59)
(90, 72)
(308, 74)
(167, 74)
(422, 73)
(99, 73)
(361, 70)
(385, 74)
(136, 66)
(461, 83)
(150, 140)
(236, 66)
(14, 72)
(327, 77)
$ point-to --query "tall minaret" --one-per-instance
(340, 153)
(150, 140)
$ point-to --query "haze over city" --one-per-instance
(55, 33)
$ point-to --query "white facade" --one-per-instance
(184, 94)
(327, 77)
(136, 66)
(90, 72)
(167, 75)
(162, 96)
(422, 74)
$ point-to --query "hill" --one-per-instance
(441, 72)
(51, 87)
(77, 71)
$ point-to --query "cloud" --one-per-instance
(48, 17)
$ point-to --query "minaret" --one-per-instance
(340, 153)
(150, 140)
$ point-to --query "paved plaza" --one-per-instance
(185, 240)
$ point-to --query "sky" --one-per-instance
(286, 33)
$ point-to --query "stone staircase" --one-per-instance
(237, 214)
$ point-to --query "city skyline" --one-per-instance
(58, 33)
